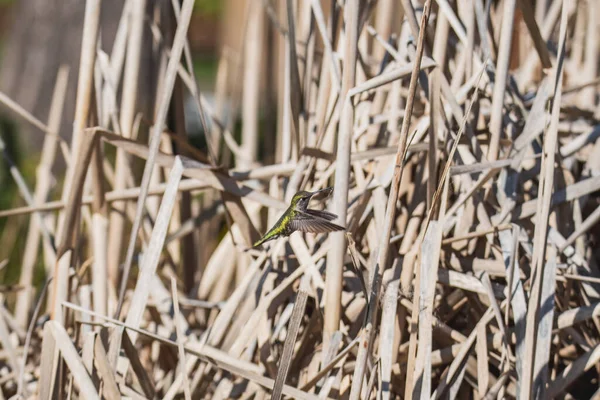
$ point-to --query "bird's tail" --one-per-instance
(259, 242)
(272, 234)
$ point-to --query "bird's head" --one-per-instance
(302, 198)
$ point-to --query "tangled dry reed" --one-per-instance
(462, 141)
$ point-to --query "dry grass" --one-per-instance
(462, 142)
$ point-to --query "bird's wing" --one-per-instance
(305, 222)
(321, 214)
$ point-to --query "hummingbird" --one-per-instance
(298, 217)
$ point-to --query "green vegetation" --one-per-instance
(205, 68)
(9, 198)
(207, 7)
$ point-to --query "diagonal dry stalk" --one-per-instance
(390, 211)
(295, 320)
(154, 141)
(531, 366)
(43, 178)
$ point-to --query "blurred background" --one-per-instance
(37, 37)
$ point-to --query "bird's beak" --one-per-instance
(321, 194)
